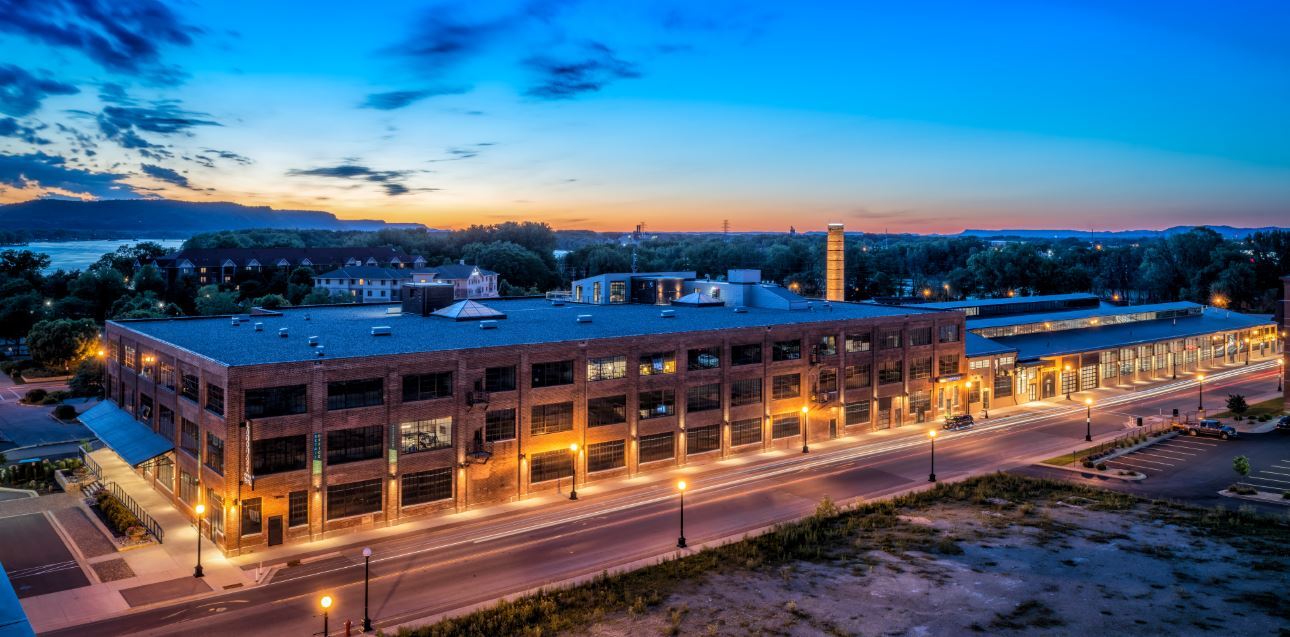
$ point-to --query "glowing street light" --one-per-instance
(680, 540)
(1088, 420)
(367, 565)
(1281, 366)
(573, 472)
(200, 509)
(806, 420)
(931, 475)
(1200, 391)
(325, 602)
(1247, 350)
(1066, 384)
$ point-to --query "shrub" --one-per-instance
(34, 396)
(50, 400)
(1101, 466)
(1285, 495)
(64, 412)
(119, 517)
(1088, 464)
(1243, 489)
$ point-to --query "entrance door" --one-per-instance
(833, 428)
(1050, 385)
(275, 530)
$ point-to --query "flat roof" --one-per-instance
(1064, 315)
(345, 330)
(982, 346)
(1047, 344)
(1011, 300)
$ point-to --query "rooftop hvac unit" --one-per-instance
(381, 330)
(320, 350)
(313, 341)
(739, 309)
(668, 313)
(425, 298)
(488, 325)
(393, 310)
(236, 321)
(259, 327)
(282, 331)
(584, 318)
(557, 303)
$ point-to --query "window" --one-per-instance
(704, 358)
(606, 368)
(982, 363)
(949, 333)
(552, 374)
(189, 437)
(658, 363)
(603, 456)
(920, 368)
(499, 379)
(1002, 386)
(215, 399)
(606, 410)
(857, 413)
(749, 354)
(252, 521)
(276, 455)
(657, 447)
(350, 394)
(187, 487)
(786, 350)
(703, 398)
(552, 418)
(617, 291)
(145, 409)
(298, 508)
(948, 364)
(499, 424)
(785, 425)
(745, 392)
(352, 445)
(426, 486)
(857, 376)
(920, 336)
(425, 435)
(215, 512)
(859, 342)
(745, 432)
(166, 475)
(131, 357)
(167, 376)
(354, 498)
(657, 404)
(703, 439)
(427, 386)
(190, 389)
(920, 402)
(267, 402)
(889, 371)
(889, 338)
(550, 465)
(166, 422)
(215, 452)
(786, 386)
(827, 383)
(828, 345)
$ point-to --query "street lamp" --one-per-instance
(1281, 366)
(806, 419)
(1247, 350)
(1200, 391)
(325, 602)
(931, 475)
(968, 386)
(199, 510)
(1088, 420)
(367, 564)
(680, 540)
(573, 472)
(1067, 385)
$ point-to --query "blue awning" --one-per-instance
(129, 438)
(13, 620)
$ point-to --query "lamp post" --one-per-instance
(1066, 373)
(325, 602)
(968, 387)
(573, 472)
(367, 564)
(806, 421)
(1247, 350)
(931, 475)
(1281, 367)
(680, 540)
(1200, 392)
(199, 510)
(1088, 420)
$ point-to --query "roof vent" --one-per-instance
(282, 331)
(313, 341)
(739, 309)
(381, 330)
(259, 327)
(668, 313)
(557, 303)
(320, 350)
(236, 321)
(306, 317)
(393, 310)
(488, 325)
(584, 318)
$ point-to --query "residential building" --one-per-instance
(223, 265)
(469, 281)
(364, 283)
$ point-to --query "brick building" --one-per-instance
(304, 423)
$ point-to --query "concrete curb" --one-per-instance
(1263, 496)
(29, 492)
(1089, 473)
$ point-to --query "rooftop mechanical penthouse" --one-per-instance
(302, 423)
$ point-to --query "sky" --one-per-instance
(912, 116)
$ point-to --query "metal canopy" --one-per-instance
(129, 438)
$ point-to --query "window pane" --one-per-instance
(499, 424)
(552, 374)
(426, 486)
(266, 402)
(427, 386)
(603, 456)
(353, 445)
(703, 439)
(350, 394)
(552, 418)
(354, 498)
(606, 368)
(425, 435)
(703, 398)
(657, 404)
(606, 410)
(745, 392)
(657, 447)
(745, 432)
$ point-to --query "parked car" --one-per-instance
(1209, 427)
(1284, 423)
(964, 421)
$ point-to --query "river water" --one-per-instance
(79, 255)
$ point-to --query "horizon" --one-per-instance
(929, 119)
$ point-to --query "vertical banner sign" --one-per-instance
(317, 454)
(248, 474)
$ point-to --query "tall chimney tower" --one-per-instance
(835, 263)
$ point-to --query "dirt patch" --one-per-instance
(87, 537)
(112, 570)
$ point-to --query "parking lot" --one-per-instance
(1272, 476)
(1175, 454)
(35, 557)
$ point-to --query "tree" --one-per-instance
(18, 312)
(60, 343)
(150, 279)
(142, 306)
(100, 287)
(514, 263)
(1237, 405)
(1241, 465)
(23, 264)
(211, 300)
(270, 301)
(88, 380)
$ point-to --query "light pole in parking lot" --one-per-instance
(1088, 420)
(680, 540)
(1200, 392)
(931, 475)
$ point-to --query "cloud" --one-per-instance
(21, 93)
(209, 155)
(122, 124)
(123, 36)
(50, 172)
(393, 100)
(596, 67)
(458, 154)
(165, 174)
(446, 36)
(10, 127)
(390, 180)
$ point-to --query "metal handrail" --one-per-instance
(91, 465)
(144, 519)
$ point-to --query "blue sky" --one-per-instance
(912, 116)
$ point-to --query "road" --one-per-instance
(418, 576)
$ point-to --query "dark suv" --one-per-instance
(1283, 424)
(964, 421)
(1208, 427)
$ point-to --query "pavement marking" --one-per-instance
(1270, 480)
(1190, 451)
(1276, 473)
(1148, 461)
(1130, 464)
(1156, 454)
